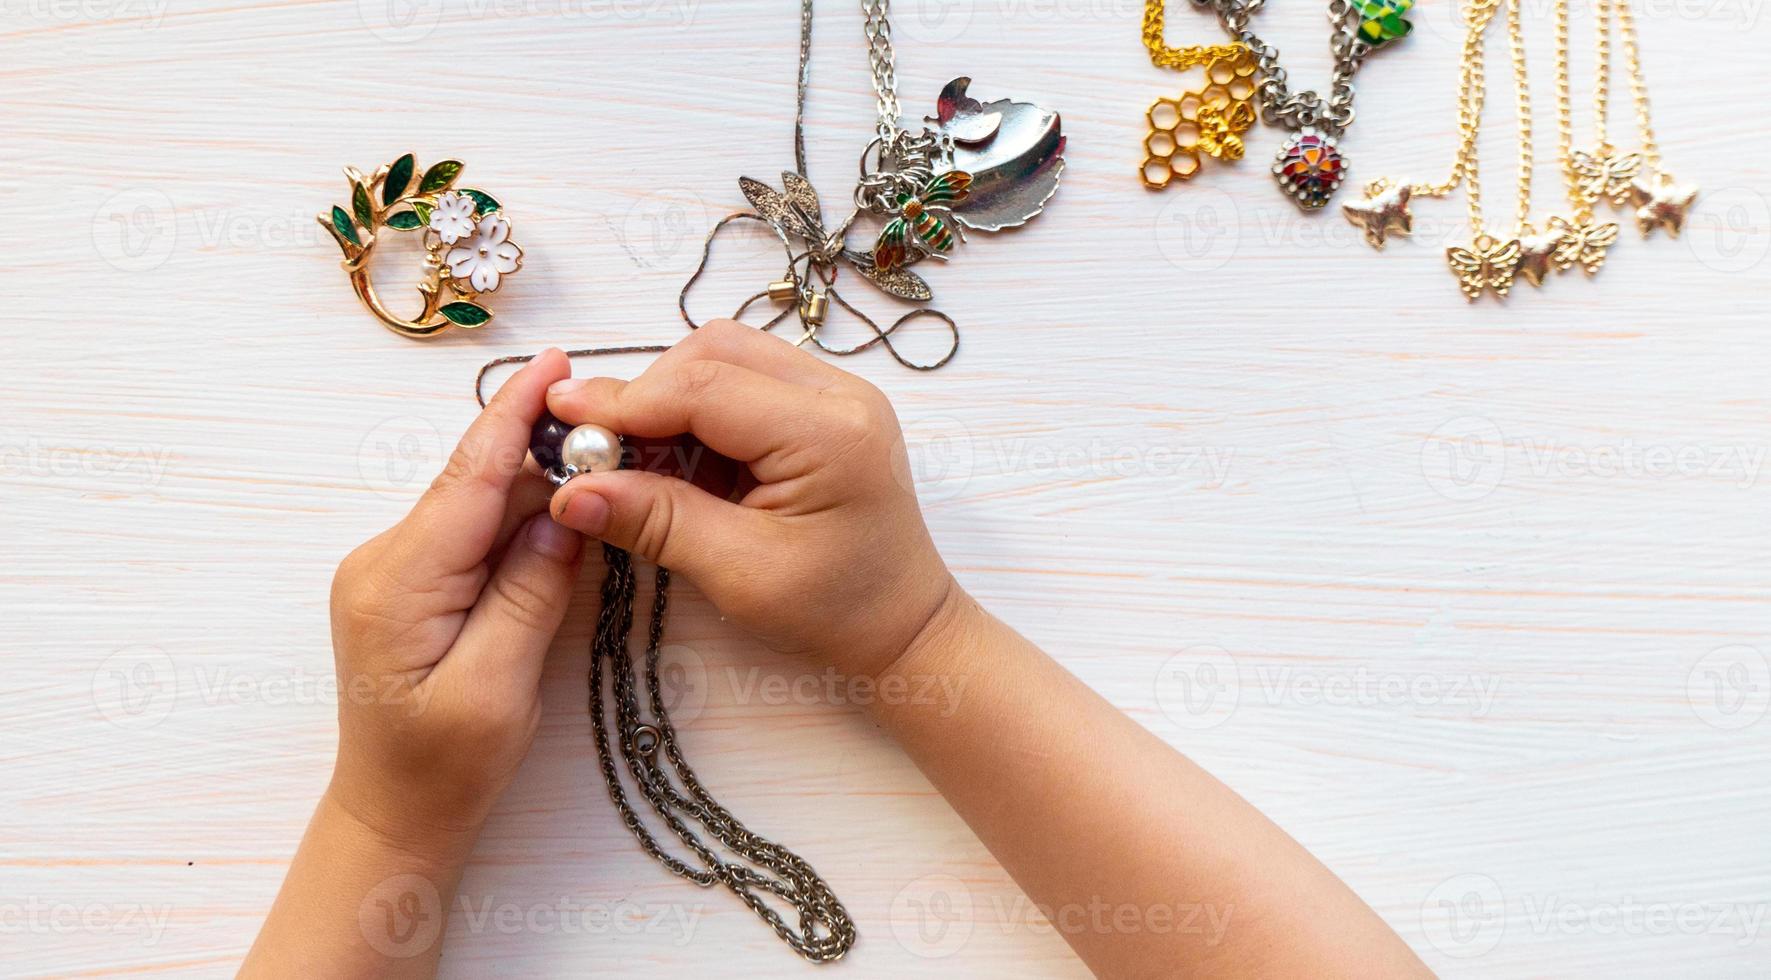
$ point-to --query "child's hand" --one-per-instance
(440, 626)
(829, 554)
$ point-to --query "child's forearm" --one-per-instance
(359, 903)
(1148, 865)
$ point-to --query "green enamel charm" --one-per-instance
(1380, 21)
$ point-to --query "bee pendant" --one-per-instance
(918, 216)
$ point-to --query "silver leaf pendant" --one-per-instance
(1013, 150)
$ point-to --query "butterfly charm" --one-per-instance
(1487, 264)
(1584, 242)
(1604, 175)
(920, 226)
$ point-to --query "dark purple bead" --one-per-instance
(546, 440)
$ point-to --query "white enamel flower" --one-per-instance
(452, 217)
(486, 256)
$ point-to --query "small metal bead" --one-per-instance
(815, 308)
(591, 449)
(783, 290)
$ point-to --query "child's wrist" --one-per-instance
(930, 672)
(412, 827)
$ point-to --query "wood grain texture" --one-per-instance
(1472, 599)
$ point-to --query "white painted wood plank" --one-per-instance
(1192, 421)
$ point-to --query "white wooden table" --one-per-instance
(1472, 599)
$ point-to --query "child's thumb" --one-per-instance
(661, 518)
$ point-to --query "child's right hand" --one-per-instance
(829, 555)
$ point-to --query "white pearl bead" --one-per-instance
(591, 449)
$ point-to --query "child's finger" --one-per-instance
(737, 412)
(664, 519)
(762, 352)
(454, 525)
(506, 635)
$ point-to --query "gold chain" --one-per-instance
(1583, 204)
(1472, 87)
(1470, 116)
(1180, 59)
(1516, 40)
(1626, 21)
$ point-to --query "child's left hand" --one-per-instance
(439, 629)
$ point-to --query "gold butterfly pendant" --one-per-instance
(1584, 242)
(1604, 175)
(1488, 264)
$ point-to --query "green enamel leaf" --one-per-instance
(440, 175)
(404, 220)
(360, 205)
(485, 202)
(398, 176)
(342, 222)
(466, 314)
(424, 209)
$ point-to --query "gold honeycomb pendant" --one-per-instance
(1208, 122)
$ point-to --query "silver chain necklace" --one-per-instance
(974, 166)
(1309, 166)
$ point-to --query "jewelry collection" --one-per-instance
(1598, 175)
(1309, 166)
(975, 165)
(982, 166)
